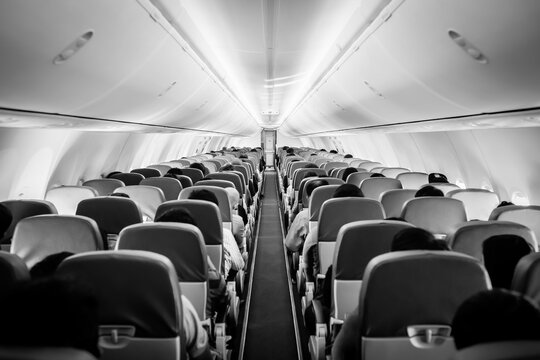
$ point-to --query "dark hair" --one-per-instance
(348, 156)
(290, 150)
(348, 171)
(437, 178)
(396, 218)
(428, 190)
(48, 265)
(198, 165)
(50, 312)
(205, 195)
(175, 171)
(179, 215)
(376, 175)
(285, 147)
(493, 316)
(5, 219)
(312, 185)
(311, 166)
(333, 151)
(505, 203)
(347, 190)
(501, 255)
(416, 239)
(119, 194)
(323, 150)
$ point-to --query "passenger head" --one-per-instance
(179, 215)
(227, 167)
(437, 178)
(50, 312)
(310, 166)
(494, 316)
(205, 195)
(348, 156)
(175, 171)
(428, 190)
(5, 219)
(505, 203)
(501, 255)
(416, 239)
(290, 151)
(234, 197)
(348, 171)
(333, 151)
(198, 165)
(119, 194)
(48, 265)
(312, 185)
(347, 190)
(376, 175)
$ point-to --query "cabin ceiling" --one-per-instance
(309, 67)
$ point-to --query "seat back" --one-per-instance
(208, 219)
(39, 236)
(228, 176)
(295, 166)
(242, 169)
(171, 187)
(12, 270)
(66, 198)
(147, 172)
(335, 213)
(147, 197)
(128, 178)
(183, 244)
(440, 215)
(218, 183)
(111, 213)
(300, 174)
(468, 237)
(302, 190)
(393, 172)
(357, 177)
(223, 200)
(528, 215)
(372, 188)
(318, 197)
(103, 187)
(162, 168)
(43, 353)
(369, 165)
(527, 276)
(444, 187)
(334, 164)
(479, 203)
(194, 174)
(412, 179)
(140, 316)
(21, 209)
(185, 181)
(357, 243)
(404, 291)
(502, 350)
(185, 162)
(393, 201)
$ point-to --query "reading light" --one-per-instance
(73, 48)
(469, 48)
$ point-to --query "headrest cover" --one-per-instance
(359, 242)
(171, 187)
(413, 179)
(112, 214)
(416, 287)
(393, 201)
(40, 236)
(104, 186)
(437, 214)
(128, 178)
(133, 288)
(318, 197)
(335, 213)
(181, 243)
(374, 187)
(221, 194)
(205, 214)
(147, 197)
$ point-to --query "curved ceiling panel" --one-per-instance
(113, 60)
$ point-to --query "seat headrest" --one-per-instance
(194, 174)
(301, 173)
(21, 209)
(128, 178)
(133, 288)
(221, 194)
(479, 203)
(147, 172)
(318, 197)
(206, 215)
(181, 243)
(147, 197)
(526, 278)
(171, 187)
(528, 215)
(163, 168)
(416, 287)
(112, 214)
(437, 214)
(12, 270)
(360, 241)
(37, 237)
(228, 176)
(357, 177)
(468, 237)
(66, 198)
(335, 213)
(215, 182)
(393, 201)
(103, 186)
(393, 172)
(372, 188)
(413, 179)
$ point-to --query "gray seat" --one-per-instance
(128, 178)
(23, 208)
(412, 179)
(526, 278)
(372, 188)
(223, 201)
(479, 203)
(148, 198)
(393, 172)
(194, 174)
(393, 200)
(357, 177)
(104, 187)
(528, 215)
(147, 172)
(171, 187)
(66, 198)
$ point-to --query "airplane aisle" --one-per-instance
(271, 331)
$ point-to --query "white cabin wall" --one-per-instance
(504, 160)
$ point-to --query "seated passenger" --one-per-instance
(493, 316)
(417, 239)
(218, 296)
(428, 190)
(501, 254)
(300, 227)
(174, 171)
(377, 175)
(505, 203)
(48, 265)
(437, 178)
(310, 253)
(201, 167)
(50, 313)
(238, 229)
(348, 171)
(232, 256)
